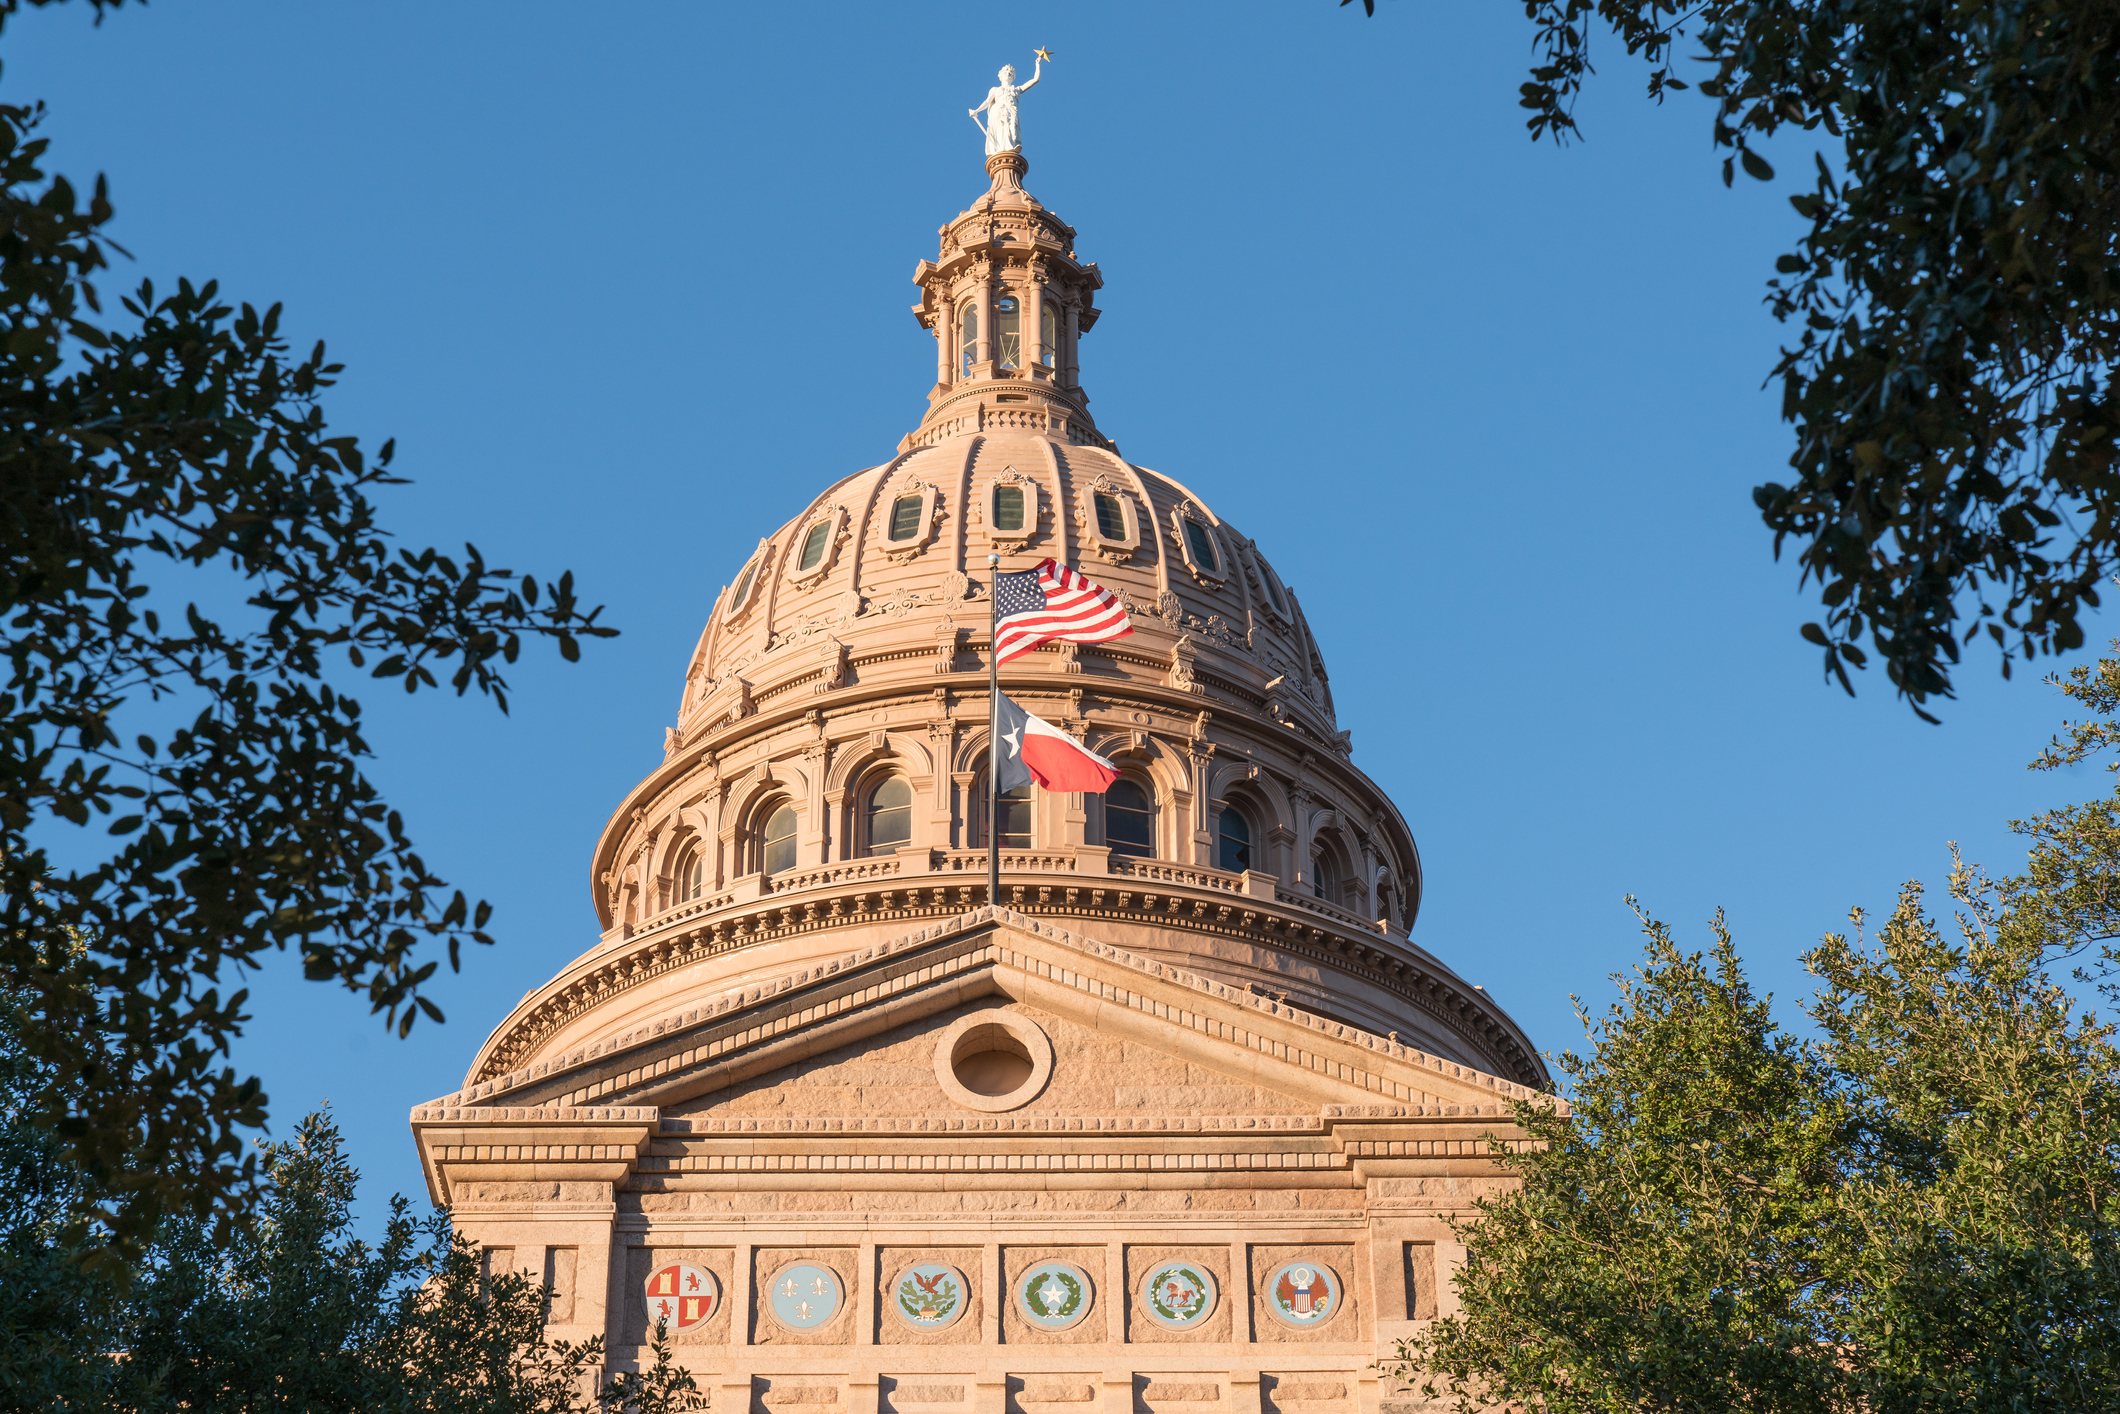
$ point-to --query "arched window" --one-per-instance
(1015, 817)
(1233, 841)
(688, 877)
(742, 592)
(1048, 333)
(1111, 517)
(1325, 876)
(1202, 546)
(1008, 507)
(1129, 819)
(1273, 587)
(889, 825)
(813, 546)
(777, 844)
(967, 337)
(905, 517)
(1008, 332)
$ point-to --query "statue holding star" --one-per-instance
(1004, 126)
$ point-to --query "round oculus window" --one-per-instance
(993, 1060)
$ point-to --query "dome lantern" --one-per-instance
(1007, 302)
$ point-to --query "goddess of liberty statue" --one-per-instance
(1003, 127)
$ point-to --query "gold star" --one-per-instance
(1045, 54)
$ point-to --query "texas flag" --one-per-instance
(1033, 749)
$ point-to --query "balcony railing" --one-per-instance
(1088, 865)
(1158, 872)
(852, 871)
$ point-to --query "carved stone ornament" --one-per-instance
(955, 586)
(832, 656)
(727, 699)
(946, 646)
(1182, 654)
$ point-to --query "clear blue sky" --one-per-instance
(629, 283)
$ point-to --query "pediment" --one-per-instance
(800, 1038)
(905, 1072)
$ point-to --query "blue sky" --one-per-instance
(628, 284)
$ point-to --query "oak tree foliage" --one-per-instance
(1953, 298)
(292, 1313)
(1911, 1209)
(205, 766)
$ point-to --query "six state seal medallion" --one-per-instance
(1302, 1293)
(804, 1296)
(1178, 1295)
(930, 1296)
(681, 1295)
(1054, 1295)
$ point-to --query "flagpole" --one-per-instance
(993, 731)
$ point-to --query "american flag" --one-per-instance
(1054, 602)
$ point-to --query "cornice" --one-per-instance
(1388, 966)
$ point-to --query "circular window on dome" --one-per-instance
(993, 1060)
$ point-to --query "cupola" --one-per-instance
(1008, 304)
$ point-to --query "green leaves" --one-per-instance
(295, 1312)
(189, 434)
(1955, 299)
(1913, 1209)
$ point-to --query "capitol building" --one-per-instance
(1176, 1123)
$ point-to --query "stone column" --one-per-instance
(735, 1392)
(1281, 855)
(945, 340)
(1203, 823)
(996, 1297)
(1034, 310)
(1071, 364)
(984, 296)
(964, 830)
(1306, 817)
(814, 830)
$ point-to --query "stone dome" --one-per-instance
(832, 588)
(821, 787)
